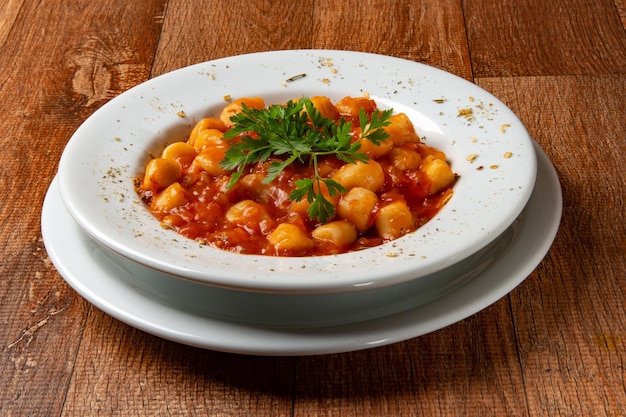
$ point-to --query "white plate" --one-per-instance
(122, 291)
(112, 146)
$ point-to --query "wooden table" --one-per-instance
(555, 346)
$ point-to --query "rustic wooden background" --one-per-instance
(556, 346)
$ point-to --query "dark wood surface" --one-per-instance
(555, 346)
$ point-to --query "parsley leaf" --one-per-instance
(297, 131)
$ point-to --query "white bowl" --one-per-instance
(486, 144)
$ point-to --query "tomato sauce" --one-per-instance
(200, 206)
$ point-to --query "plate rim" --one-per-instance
(210, 333)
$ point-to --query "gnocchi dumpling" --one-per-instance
(289, 237)
(385, 186)
(394, 220)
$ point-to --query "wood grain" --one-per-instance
(47, 91)
(621, 11)
(569, 321)
(556, 37)
(413, 30)
(409, 29)
(197, 34)
(165, 378)
(8, 15)
(556, 346)
(470, 368)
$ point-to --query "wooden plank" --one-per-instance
(621, 10)
(197, 34)
(416, 30)
(570, 321)
(52, 76)
(470, 368)
(509, 38)
(8, 15)
(128, 371)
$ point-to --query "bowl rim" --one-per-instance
(137, 121)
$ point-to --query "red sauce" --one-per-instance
(202, 216)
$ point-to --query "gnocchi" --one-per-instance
(398, 186)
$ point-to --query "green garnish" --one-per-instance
(289, 134)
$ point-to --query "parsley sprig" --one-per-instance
(286, 134)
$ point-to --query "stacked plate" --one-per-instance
(495, 230)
